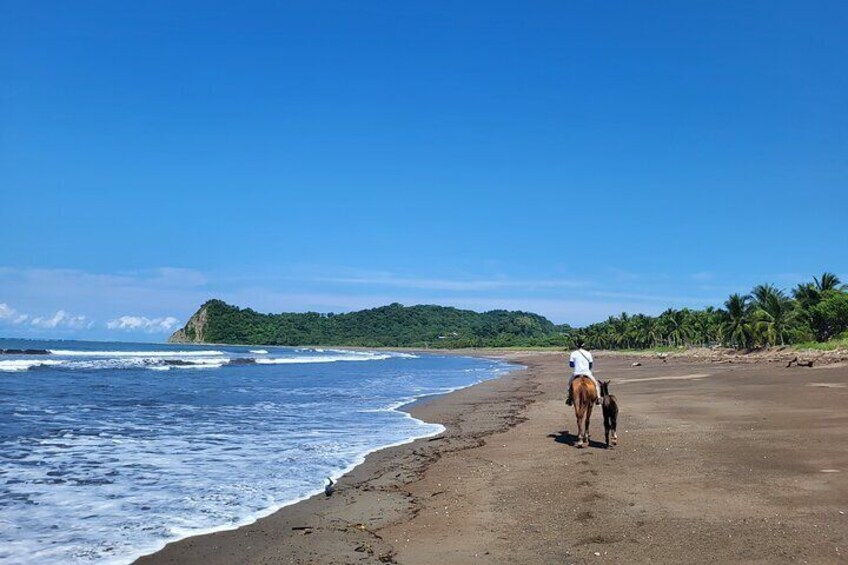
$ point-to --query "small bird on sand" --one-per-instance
(330, 488)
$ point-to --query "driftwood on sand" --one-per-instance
(795, 361)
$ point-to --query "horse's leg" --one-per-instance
(579, 429)
(614, 425)
(607, 428)
(579, 411)
(588, 418)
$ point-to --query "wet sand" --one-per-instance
(717, 463)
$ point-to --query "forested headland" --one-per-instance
(394, 325)
(813, 312)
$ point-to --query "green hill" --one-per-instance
(812, 313)
(389, 326)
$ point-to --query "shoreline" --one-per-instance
(411, 409)
(692, 479)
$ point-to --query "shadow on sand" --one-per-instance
(570, 439)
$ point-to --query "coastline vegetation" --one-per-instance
(814, 315)
(394, 325)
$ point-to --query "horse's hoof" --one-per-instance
(580, 445)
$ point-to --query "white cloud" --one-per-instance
(143, 323)
(497, 283)
(6, 311)
(559, 295)
(104, 296)
(61, 319)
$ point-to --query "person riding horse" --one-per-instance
(581, 361)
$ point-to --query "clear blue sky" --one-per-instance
(572, 158)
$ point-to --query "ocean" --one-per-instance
(110, 450)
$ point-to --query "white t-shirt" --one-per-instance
(582, 361)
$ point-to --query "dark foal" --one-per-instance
(610, 408)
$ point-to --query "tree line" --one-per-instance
(767, 316)
(394, 325)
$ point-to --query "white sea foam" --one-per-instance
(341, 355)
(205, 364)
(396, 354)
(16, 365)
(206, 359)
(174, 354)
(117, 472)
(153, 363)
(318, 359)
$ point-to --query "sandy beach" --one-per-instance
(718, 462)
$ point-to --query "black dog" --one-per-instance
(610, 408)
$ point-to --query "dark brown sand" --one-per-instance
(717, 463)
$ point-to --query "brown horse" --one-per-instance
(584, 394)
(610, 407)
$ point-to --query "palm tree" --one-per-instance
(666, 325)
(623, 330)
(701, 321)
(677, 324)
(774, 316)
(641, 327)
(736, 329)
(713, 325)
(655, 335)
(810, 294)
(807, 295)
(828, 281)
(762, 292)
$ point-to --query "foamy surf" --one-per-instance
(122, 459)
(17, 365)
(163, 360)
(122, 363)
(119, 353)
(321, 359)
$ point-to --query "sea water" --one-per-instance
(110, 450)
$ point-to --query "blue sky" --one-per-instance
(574, 159)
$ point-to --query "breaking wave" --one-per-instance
(66, 359)
(105, 460)
(16, 365)
(83, 353)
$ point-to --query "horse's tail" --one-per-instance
(585, 390)
(583, 394)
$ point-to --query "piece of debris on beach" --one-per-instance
(799, 363)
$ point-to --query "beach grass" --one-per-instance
(832, 345)
(657, 349)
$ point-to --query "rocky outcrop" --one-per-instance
(195, 329)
